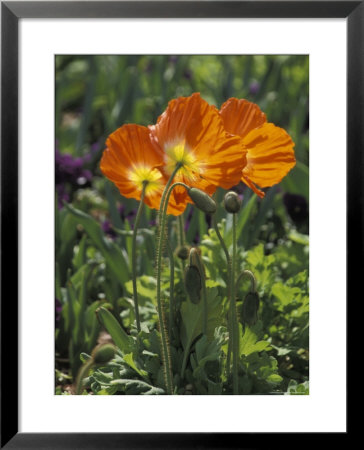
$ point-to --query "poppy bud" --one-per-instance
(232, 202)
(249, 310)
(103, 353)
(193, 283)
(202, 200)
(182, 252)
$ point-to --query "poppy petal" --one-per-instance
(191, 132)
(129, 159)
(270, 155)
(241, 116)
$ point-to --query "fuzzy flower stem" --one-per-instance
(83, 372)
(234, 317)
(204, 294)
(164, 212)
(223, 245)
(159, 253)
(181, 235)
(230, 320)
(171, 287)
(164, 335)
(133, 257)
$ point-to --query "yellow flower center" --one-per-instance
(179, 152)
(142, 174)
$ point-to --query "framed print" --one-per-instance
(181, 197)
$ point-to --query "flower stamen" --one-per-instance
(142, 175)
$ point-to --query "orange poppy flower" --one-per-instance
(131, 160)
(191, 133)
(270, 154)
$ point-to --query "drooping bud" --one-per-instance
(232, 202)
(193, 284)
(249, 310)
(182, 252)
(202, 200)
(194, 255)
(193, 278)
(103, 353)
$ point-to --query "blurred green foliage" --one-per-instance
(97, 94)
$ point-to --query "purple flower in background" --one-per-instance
(62, 195)
(94, 149)
(107, 226)
(196, 238)
(188, 219)
(149, 67)
(208, 218)
(296, 206)
(108, 229)
(254, 88)
(173, 59)
(127, 216)
(70, 174)
(71, 170)
(153, 223)
(58, 310)
(239, 189)
(187, 74)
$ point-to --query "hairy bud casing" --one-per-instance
(232, 202)
(193, 283)
(249, 310)
(202, 200)
(182, 252)
(103, 353)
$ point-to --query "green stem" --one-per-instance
(165, 191)
(185, 356)
(164, 335)
(134, 265)
(204, 294)
(84, 370)
(223, 245)
(235, 325)
(171, 287)
(181, 236)
(230, 319)
(229, 349)
(162, 225)
(181, 231)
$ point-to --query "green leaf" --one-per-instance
(262, 266)
(66, 233)
(249, 342)
(192, 321)
(262, 370)
(298, 237)
(192, 317)
(292, 257)
(146, 287)
(131, 363)
(120, 338)
(286, 295)
(297, 389)
(206, 352)
(80, 254)
(274, 378)
(133, 387)
(116, 260)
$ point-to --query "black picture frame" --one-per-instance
(11, 12)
